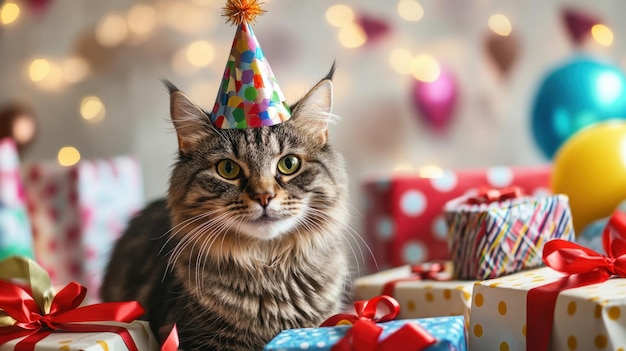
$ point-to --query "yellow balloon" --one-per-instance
(590, 168)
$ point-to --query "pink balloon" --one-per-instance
(435, 101)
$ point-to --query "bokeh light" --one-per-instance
(602, 34)
(425, 68)
(23, 128)
(38, 69)
(68, 156)
(403, 167)
(75, 69)
(410, 10)
(184, 17)
(500, 25)
(431, 171)
(401, 60)
(339, 15)
(200, 53)
(141, 19)
(9, 12)
(92, 109)
(111, 30)
(53, 80)
(352, 36)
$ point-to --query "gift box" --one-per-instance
(15, 229)
(138, 330)
(404, 221)
(497, 232)
(420, 295)
(573, 304)
(77, 214)
(448, 331)
(34, 317)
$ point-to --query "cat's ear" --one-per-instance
(190, 121)
(313, 111)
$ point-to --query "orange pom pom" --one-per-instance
(242, 11)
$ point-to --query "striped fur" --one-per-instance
(204, 258)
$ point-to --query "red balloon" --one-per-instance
(502, 50)
(579, 23)
(435, 101)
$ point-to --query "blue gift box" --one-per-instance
(449, 332)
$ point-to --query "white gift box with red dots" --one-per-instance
(78, 212)
(404, 220)
(419, 298)
(588, 318)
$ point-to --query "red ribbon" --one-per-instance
(364, 333)
(489, 195)
(583, 267)
(64, 316)
(420, 271)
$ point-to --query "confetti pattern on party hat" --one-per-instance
(249, 95)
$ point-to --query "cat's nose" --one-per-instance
(264, 198)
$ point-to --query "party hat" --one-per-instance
(249, 95)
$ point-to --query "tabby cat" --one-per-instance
(251, 238)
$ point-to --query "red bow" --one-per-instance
(65, 315)
(364, 333)
(489, 195)
(583, 267)
(420, 271)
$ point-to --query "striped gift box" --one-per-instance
(491, 239)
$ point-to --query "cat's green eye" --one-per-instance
(288, 165)
(228, 169)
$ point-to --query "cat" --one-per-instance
(251, 238)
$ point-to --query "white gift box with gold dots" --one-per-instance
(58, 341)
(588, 318)
(418, 299)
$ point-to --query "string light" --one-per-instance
(400, 60)
(431, 171)
(92, 109)
(425, 68)
(339, 15)
(23, 129)
(9, 12)
(352, 36)
(141, 19)
(111, 31)
(39, 69)
(500, 25)
(200, 53)
(53, 80)
(410, 10)
(68, 156)
(602, 34)
(75, 69)
(403, 167)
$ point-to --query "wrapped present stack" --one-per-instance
(575, 303)
(15, 228)
(35, 317)
(405, 222)
(77, 214)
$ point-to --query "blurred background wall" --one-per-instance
(90, 72)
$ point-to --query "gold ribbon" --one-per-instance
(27, 271)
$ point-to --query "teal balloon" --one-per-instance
(575, 95)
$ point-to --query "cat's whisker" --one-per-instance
(184, 224)
(350, 231)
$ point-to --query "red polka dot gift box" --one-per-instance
(404, 221)
(78, 212)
